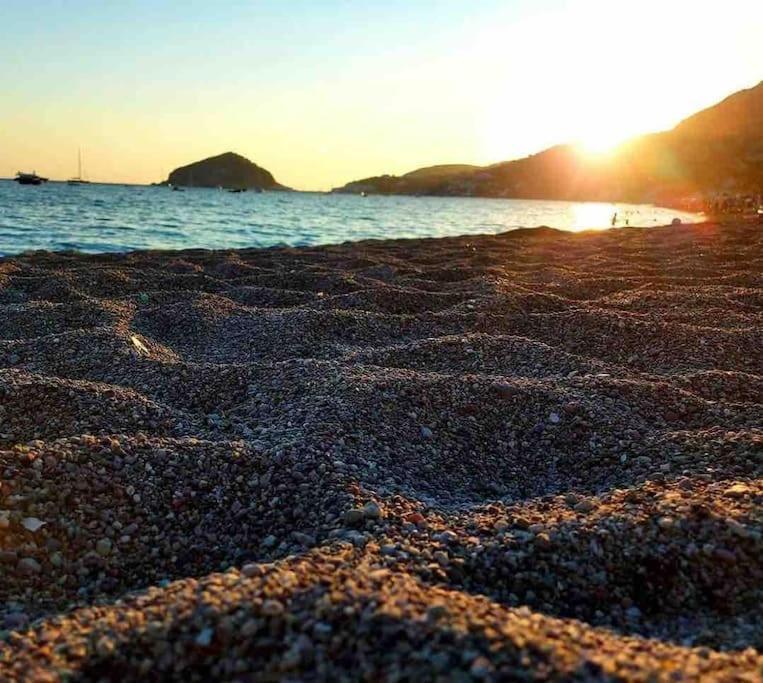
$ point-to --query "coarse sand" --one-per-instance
(535, 455)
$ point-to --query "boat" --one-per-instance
(29, 178)
(79, 180)
(236, 190)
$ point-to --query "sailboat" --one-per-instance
(79, 180)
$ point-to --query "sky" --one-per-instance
(322, 92)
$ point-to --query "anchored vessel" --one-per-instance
(29, 178)
(79, 180)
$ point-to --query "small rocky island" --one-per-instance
(228, 170)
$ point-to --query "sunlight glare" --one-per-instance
(591, 215)
(600, 143)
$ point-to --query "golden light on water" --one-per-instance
(593, 215)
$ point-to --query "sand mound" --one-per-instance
(530, 455)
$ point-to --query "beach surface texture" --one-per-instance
(530, 455)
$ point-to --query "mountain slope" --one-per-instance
(716, 150)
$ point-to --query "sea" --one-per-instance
(117, 218)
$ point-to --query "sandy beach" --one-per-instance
(529, 455)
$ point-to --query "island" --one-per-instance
(229, 170)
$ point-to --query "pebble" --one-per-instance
(32, 523)
(500, 525)
(354, 516)
(503, 390)
(204, 637)
(272, 608)
(585, 506)
(251, 569)
(28, 565)
(737, 491)
(372, 510)
(103, 547)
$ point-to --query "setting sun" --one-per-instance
(599, 144)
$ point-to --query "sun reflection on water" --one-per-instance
(595, 215)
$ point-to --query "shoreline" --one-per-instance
(533, 453)
(714, 221)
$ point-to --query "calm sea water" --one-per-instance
(99, 218)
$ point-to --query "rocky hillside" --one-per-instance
(228, 170)
(716, 150)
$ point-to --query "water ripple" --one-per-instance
(95, 218)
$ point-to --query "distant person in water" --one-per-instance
(614, 219)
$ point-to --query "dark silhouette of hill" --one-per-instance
(228, 170)
(719, 149)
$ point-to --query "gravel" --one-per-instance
(530, 455)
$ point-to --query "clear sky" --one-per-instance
(321, 92)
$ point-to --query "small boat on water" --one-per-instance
(236, 190)
(79, 180)
(29, 178)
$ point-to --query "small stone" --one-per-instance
(665, 523)
(436, 612)
(272, 608)
(103, 547)
(32, 523)
(249, 628)
(204, 639)
(28, 565)
(449, 536)
(572, 408)
(500, 525)
(725, 555)
(503, 390)
(426, 433)
(585, 506)
(372, 510)
(269, 541)
(104, 646)
(15, 621)
(481, 667)
(303, 539)
(554, 418)
(251, 569)
(415, 518)
(56, 559)
(737, 528)
(737, 491)
(354, 516)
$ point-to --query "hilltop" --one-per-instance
(229, 170)
(718, 149)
